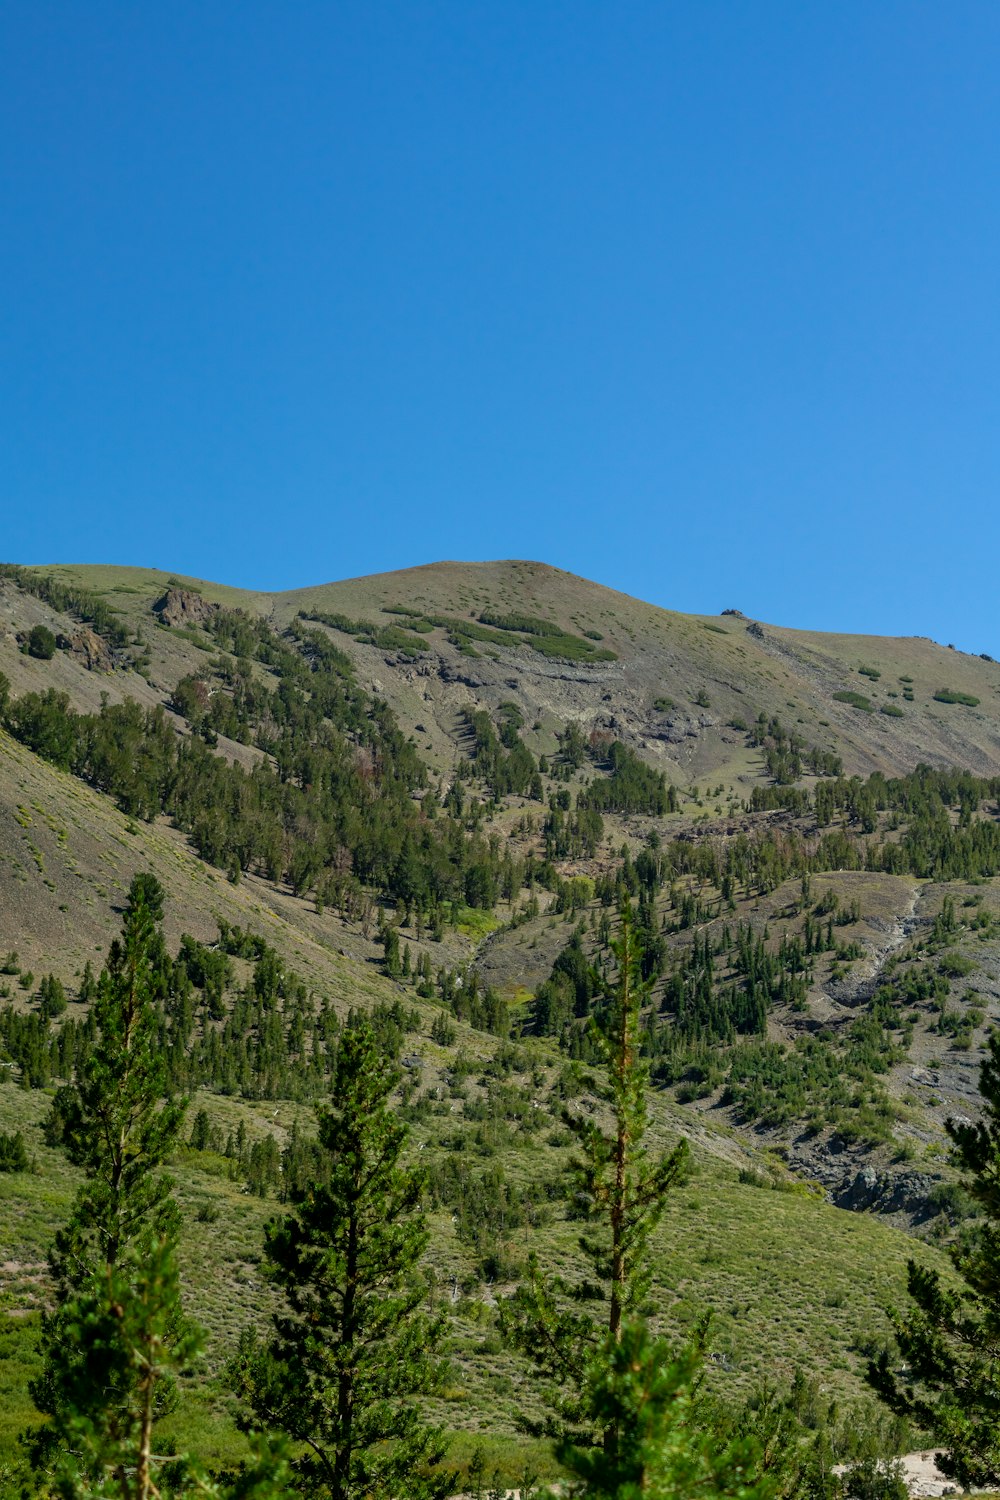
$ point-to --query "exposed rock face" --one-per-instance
(887, 1193)
(88, 648)
(184, 607)
(861, 1192)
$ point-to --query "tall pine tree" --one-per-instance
(647, 1394)
(622, 1189)
(625, 1407)
(117, 1338)
(117, 1125)
(351, 1349)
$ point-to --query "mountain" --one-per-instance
(430, 789)
(743, 667)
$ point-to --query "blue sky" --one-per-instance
(698, 299)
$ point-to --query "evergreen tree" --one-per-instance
(117, 1338)
(390, 943)
(117, 1127)
(646, 1393)
(626, 1409)
(13, 1153)
(350, 1348)
(950, 1334)
(623, 1191)
(41, 643)
(137, 1335)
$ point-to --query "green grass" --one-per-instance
(146, 584)
(492, 629)
(523, 624)
(473, 922)
(193, 637)
(769, 1264)
(385, 637)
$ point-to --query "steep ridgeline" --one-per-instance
(438, 640)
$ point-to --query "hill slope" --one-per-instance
(430, 789)
(742, 667)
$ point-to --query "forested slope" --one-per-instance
(427, 795)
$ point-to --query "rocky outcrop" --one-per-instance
(88, 648)
(677, 728)
(887, 1192)
(849, 1181)
(184, 607)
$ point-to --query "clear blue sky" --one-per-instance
(698, 299)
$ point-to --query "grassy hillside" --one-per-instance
(742, 667)
(794, 1284)
(430, 790)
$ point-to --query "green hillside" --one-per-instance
(425, 795)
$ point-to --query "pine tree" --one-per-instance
(647, 1394)
(123, 1342)
(117, 1338)
(622, 1190)
(627, 1409)
(350, 1348)
(950, 1335)
(117, 1126)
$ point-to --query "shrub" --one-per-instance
(876, 1479)
(952, 1199)
(948, 695)
(41, 643)
(856, 700)
(13, 1156)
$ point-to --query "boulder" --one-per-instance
(861, 1192)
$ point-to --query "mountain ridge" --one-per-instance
(740, 664)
